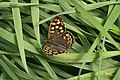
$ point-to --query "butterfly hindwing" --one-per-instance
(54, 50)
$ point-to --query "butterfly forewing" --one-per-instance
(56, 27)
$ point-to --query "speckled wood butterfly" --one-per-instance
(59, 40)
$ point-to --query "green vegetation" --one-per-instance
(24, 26)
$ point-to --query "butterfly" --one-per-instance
(59, 40)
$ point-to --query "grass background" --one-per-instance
(95, 25)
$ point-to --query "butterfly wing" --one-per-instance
(52, 49)
(65, 40)
(59, 44)
(56, 27)
(59, 40)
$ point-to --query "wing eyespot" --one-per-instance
(52, 32)
(61, 31)
(56, 27)
(53, 23)
(52, 28)
(58, 22)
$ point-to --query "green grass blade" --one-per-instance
(19, 34)
(96, 24)
(35, 20)
(81, 57)
(117, 77)
(7, 69)
(48, 68)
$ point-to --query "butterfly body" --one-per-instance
(59, 40)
